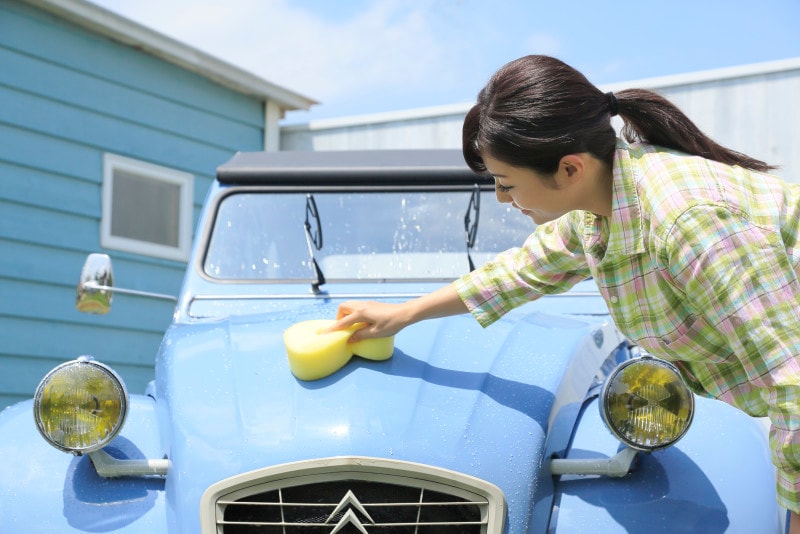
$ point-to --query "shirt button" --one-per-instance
(614, 299)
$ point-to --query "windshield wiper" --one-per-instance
(313, 239)
(471, 222)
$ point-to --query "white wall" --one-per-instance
(754, 109)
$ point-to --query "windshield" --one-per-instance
(359, 235)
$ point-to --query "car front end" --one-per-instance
(548, 421)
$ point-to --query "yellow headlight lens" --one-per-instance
(646, 404)
(80, 406)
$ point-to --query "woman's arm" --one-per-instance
(383, 319)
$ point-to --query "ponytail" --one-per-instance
(653, 119)
(537, 109)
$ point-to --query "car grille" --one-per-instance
(354, 495)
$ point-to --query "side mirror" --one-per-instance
(94, 286)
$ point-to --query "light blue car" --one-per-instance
(548, 421)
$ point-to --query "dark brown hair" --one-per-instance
(537, 109)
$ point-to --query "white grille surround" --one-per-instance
(352, 494)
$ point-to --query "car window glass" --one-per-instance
(364, 235)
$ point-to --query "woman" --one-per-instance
(694, 247)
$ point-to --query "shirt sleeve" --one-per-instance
(551, 261)
(740, 278)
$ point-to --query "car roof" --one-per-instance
(349, 167)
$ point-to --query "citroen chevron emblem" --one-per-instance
(350, 502)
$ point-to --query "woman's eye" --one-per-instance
(502, 188)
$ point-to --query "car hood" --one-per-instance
(452, 395)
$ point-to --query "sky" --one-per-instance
(358, 57)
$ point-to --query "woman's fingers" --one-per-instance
(347, 316)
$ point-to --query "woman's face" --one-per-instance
(537, 196)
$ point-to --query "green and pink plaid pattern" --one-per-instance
(699, 265)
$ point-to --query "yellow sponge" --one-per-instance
(314, 354)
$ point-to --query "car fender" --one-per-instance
(718, 476)
(46, 490)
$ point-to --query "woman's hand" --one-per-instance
(379, 319)
(382, 319)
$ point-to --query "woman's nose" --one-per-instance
(503, 198)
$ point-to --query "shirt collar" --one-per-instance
(625, 225)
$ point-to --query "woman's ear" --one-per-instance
(571, 169)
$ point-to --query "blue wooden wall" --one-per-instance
(67, 96)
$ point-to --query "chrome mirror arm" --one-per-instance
(98, 287)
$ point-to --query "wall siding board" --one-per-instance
(24, 185)
(201, 185)
(109, 345)
(26, 148)
(29, 374)
(23, 260)
(58, 241)
(22, 222)
(51, 265)
(33, 76)
(70, 173)
(73, 47)
(107, 133)
(67, 97)
(57, 304)
(7, 400)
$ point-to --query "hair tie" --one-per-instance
(613, 108)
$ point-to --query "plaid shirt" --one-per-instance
(699, 265)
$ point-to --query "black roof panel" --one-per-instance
(345, 167)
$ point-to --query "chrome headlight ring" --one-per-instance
(646, 404)
(80, 406)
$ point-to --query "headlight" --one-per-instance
(646, 404)
(80, 406)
